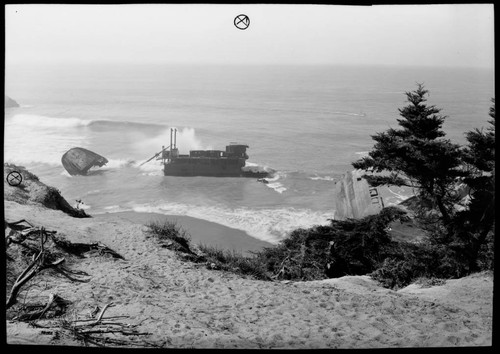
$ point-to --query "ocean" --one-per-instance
(308, 123)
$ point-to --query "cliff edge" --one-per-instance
(23, 187)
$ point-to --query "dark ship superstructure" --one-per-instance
(214, 163)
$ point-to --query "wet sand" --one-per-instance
(201, 231)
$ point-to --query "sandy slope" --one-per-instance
(186, 305)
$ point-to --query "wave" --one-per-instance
(314, 111)
(254, 167)
(271, 225)
(33, 120)
(153, 168)
(349, 114)
(33, 139)
(186, 141)
(274, 184)
(322, 178)
(120, 163)
(278, 187)
(115, 209)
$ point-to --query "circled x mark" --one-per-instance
(14, 178)
(242, 22)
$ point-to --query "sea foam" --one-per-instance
(274, 184)
(271, 225)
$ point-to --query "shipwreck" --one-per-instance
(78, 161)
(210, 163)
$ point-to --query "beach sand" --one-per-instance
(201, 231)
(185, 305)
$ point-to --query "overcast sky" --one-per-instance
(437, 35)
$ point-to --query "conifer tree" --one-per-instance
(473, 224)
(417, 155)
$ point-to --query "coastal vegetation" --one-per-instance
(453, 207)
(454, 185)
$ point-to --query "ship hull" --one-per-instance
(78, 161)
(209, 167)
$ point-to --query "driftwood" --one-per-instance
(99, 316)
(19, 233)
(39, 263)
(41, 260)
(92, 331)
(66, 272)
(54, 301)
(15, 225)
(79, 249)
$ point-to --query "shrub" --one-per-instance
(167, 232)
(408, 262)
(347, 247)
(429, 282)
(486, 259)
(233, 261)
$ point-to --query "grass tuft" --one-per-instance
(169, 234)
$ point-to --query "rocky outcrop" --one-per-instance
(32, 191)
(10, 103)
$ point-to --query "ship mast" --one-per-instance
(174, 144)
(170, 155)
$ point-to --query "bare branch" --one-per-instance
(26, 275)
(99, 317)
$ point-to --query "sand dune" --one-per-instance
(184, 305)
